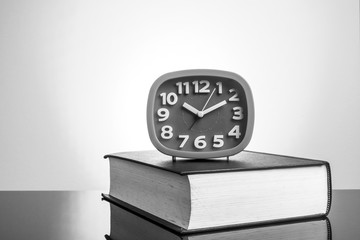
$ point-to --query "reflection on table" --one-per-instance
(82, 215)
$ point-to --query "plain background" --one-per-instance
(75, 75)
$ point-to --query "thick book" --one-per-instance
(128, 225)
(190, 195)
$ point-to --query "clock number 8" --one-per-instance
(166, 132)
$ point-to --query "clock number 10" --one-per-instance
(170, 98)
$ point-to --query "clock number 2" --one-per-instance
(233, 98)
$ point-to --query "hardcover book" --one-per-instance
(191, 195)
(130, 226)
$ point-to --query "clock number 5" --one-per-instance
(218, 141)
(238, 113)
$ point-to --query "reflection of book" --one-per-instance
(129, 226)
(193, 195)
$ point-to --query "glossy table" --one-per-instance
(82, 215)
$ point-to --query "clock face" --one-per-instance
(200, 113)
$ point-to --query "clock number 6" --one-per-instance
(199, 142)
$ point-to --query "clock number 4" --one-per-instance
(235, 132)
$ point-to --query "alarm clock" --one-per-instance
(200, 113)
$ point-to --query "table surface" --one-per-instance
(82, 215)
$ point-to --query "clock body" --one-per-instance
(200, 113)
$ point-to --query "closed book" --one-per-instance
(127, 225)
(191, 195)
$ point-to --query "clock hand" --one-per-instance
(190, 108)
(212, 108)
(208, 100)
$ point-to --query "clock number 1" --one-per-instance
(219, 86)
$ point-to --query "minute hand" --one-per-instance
(216, 106)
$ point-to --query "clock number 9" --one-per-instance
(166, 132)
(170, 98)
(163, 113)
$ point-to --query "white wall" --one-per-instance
(74, 79)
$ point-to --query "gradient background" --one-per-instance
(74, 79)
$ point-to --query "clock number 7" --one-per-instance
(185, 138)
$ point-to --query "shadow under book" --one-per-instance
(196, 195)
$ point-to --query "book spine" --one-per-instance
(329, 197)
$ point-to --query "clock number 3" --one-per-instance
(238, 113)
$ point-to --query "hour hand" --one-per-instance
(190, 108)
